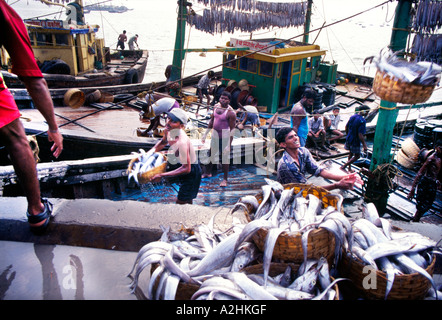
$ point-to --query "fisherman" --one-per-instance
(172, 87)
(131, 42)
(427, 181)
(317, 131)
(14, 37)
(222, 122)
(248, 115)
(181, 150)
(160, 107)
(122, 38)
(203, 87)
(298, 119)
(296, 161)
(331, 123)
(355, 129)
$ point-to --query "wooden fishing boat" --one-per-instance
(71, 55)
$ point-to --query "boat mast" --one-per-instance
(178, 54)
(388, 111)
(308, 16)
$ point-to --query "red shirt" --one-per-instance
(14, 37)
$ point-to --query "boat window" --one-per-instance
(309, 63)
(296, 66)
(266, 68)
(247, 64)
(61, 39)
(44, 39)
(231, 62)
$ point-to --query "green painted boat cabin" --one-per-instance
(274, 69)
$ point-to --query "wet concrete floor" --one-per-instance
(52, 272)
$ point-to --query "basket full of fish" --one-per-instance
(398, 80)
(306, 220)
(388, 263)
(145, 165)
(206, 263)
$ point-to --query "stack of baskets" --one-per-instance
(407, 156)
(394, 90)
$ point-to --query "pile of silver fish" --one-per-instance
(210, 252)
(393, 252)
(283, 210)
(213, 261)
(422, 73)
(145, 161)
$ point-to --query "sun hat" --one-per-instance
(178, 114)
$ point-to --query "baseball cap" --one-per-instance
(178, 114)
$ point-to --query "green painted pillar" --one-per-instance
(308, 16)
(377, 188)
(388, 114)
(178, 54)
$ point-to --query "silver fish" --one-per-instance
(398, 246)
(272, 237)
(409, 263)
(250, 229)
(246, 253)
(171, 287)
(220, 256)
(251, 288)
(170, 265)
(323, 293)
(215, 289)
(306, 282)
(288, 294)
(153, 279)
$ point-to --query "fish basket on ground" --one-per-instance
(394, 90)
(405, 287)
(321, 243)
(147, 176)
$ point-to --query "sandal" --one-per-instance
(46, 214)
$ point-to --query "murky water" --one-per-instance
(52, 272)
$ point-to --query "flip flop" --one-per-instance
(46, 214)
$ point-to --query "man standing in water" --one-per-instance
(222, 122)
(181, 149)
(427, 181)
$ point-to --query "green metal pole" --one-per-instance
(377, 190)
(388, 114)
(178, 54)
(307, 21)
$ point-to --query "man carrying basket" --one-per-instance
(183, 162)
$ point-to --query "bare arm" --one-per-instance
(38, 90)
(297, 114)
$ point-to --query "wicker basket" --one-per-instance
(185, 290)
(321, 243)
(405, 287)
(146, 177)
(394, 90)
